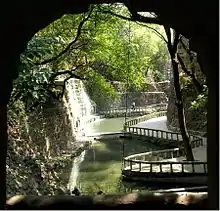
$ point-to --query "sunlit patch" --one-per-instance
(98, 145)
(128, 199)
(14, 199)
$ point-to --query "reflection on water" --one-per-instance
(73, 180)
(101, 168)
(105, 125)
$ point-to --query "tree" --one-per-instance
(87, 47)
(172, 48)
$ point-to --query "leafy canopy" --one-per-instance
(96, 46)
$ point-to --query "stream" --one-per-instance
(105, 126)
(99, 168)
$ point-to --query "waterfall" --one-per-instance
(79, 106)
(75, 171)
(79, 109)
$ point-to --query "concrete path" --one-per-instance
(199, 153)
(158, 123)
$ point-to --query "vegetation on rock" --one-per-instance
(99, 52)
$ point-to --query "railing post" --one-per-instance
(140, 166)
(161, 170)
(193, 168)
(151, 168)
(171, 167)
(182, 167)
(130, 165)
(204, 167)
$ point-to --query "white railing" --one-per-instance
(153, 161)
(131, 110)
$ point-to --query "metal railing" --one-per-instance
(131, 110)
(155, 161)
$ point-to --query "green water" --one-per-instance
(106, 125)
(101, 168)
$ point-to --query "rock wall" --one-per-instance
(41, 148)
(153, 93)
(50, 128)
(194, 118)
(143, 98)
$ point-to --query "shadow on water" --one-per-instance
(101, 168)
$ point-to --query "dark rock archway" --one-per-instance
(195, 20)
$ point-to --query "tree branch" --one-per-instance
(176, 40)
(169, 43)
(144, 19)
(155, 31)
(191, 75)
(69, 72)
(135, 18)
(140, 19)
(70, 44)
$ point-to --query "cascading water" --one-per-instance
(79, 106)
(75, 171)
(79, 110)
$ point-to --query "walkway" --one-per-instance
(168, 165)
(158, 123)
(198, 152)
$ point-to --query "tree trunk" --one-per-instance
(172, 49)
(180, 110)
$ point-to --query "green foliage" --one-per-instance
(29, 87)
(102, 45)
(201, 99)
(159, 61)
(100, 90)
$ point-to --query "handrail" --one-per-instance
(166, 162)
(165, 153)
(151, 152)
(159, 107)
(137, 109)
(162, 134)
(152, 166)
(147, 159)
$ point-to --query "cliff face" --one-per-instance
(36, 162)
(154, 93)
(49, 128)
(143, 98)
(195, 118)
